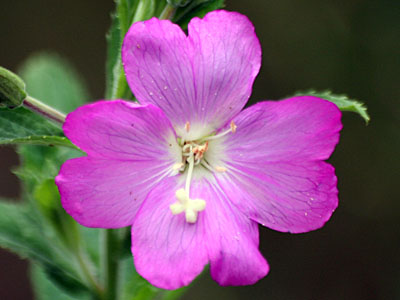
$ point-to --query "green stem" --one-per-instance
(44, 110)
(111, 243)
(168, 12)
(110, 239)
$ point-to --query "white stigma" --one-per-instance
(193, 154)
(191, 207)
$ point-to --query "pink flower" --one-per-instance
(190, 171)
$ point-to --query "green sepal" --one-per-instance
(12, 89)
(342, 101)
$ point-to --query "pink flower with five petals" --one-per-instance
(187, 169)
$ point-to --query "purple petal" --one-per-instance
(275, 173)
(231, 238)
(205, 78)
(167, 251)
(129, 152)
(122, 130)
(170, 252)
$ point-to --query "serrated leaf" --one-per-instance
(342, 101)
(21, 126)
(196, 8)
(54, 81)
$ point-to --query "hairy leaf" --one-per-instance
(44, 288)
(21, 126)
(22, 231)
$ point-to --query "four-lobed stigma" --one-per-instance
(193, 153)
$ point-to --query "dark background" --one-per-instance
(350, 46)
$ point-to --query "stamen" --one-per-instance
(187, 126)
(190, 160)
(207, 166)
(221, 169)
(200, 150)
(177, 166)
(185, 204)
(231, 129)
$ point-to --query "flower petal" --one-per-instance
(274, 170)
(168, 251)
(130, 149)
(205, 78)
(231, 238)
(106, 193)
(122, 130)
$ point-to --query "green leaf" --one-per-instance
(342, 101)
(127, 12)
(44, 288)
(196, 8)
(134, 286)
(54, 81)
(21, 126)
(114, 41)
(22, 231)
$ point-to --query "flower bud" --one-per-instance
(12, 89)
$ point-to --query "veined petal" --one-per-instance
(299, 128)
(107, 193)
(231, 238)
(285, 196)
(204, 79)
(122, 130)
(168, 251)
(275, 173)
(130, 149)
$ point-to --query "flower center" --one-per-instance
(193, 154)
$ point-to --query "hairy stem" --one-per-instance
(44, 110)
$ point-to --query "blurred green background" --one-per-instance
(351, 47)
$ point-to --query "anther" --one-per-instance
(177, 166)
(220, 169)
(187, 126)
(199, 151)
(233, 127)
